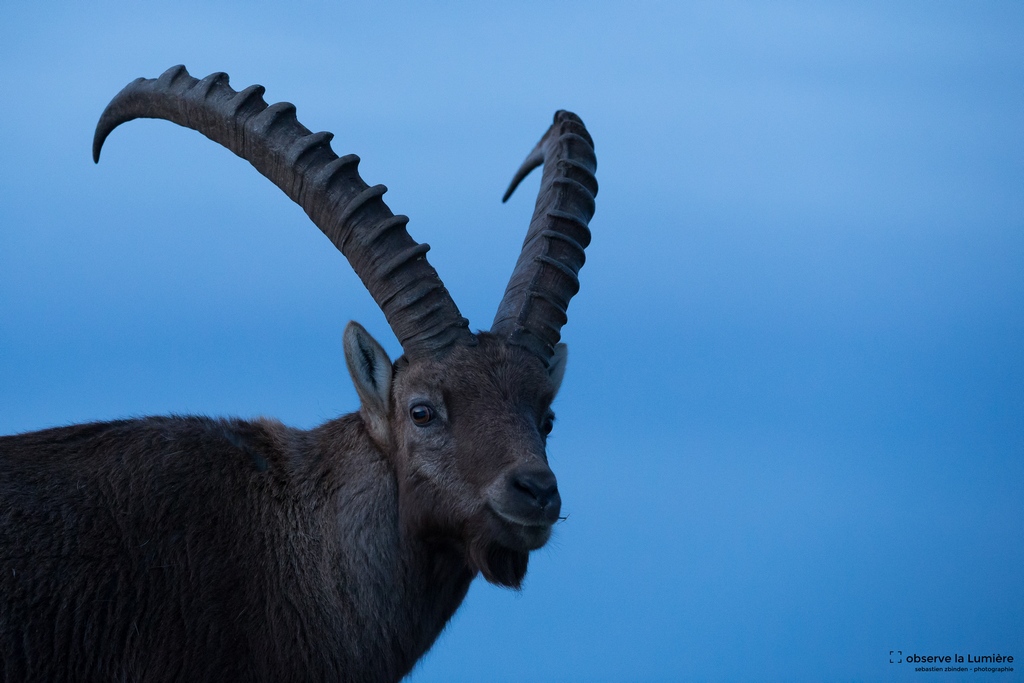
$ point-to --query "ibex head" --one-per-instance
(467, 433)
(462, 417)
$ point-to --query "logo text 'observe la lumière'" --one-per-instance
(897, 657)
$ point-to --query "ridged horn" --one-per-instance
(352, 214)
(533, 310)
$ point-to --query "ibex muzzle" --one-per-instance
(192, 548)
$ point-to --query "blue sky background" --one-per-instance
(791, 437)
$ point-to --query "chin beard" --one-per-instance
(500, 566)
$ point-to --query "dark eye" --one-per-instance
(421, 414)
(547, 425)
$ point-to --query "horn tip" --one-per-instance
(535, 159)
(99, 137)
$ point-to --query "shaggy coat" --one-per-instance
(192, 548)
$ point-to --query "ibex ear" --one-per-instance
(370, 367)
(556, 368)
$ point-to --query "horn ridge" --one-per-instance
(329, 189)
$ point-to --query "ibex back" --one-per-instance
(194, 548)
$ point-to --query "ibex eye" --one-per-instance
(421, 414)
(547, 425)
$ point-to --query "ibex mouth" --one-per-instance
(520, 534)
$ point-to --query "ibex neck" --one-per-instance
(396, 590)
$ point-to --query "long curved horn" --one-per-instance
(328, 188)
(532, 312)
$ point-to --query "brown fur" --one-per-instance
(191, 548)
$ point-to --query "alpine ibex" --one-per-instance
(193, 548)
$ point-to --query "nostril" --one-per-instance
(523, 487)
(540, 485)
